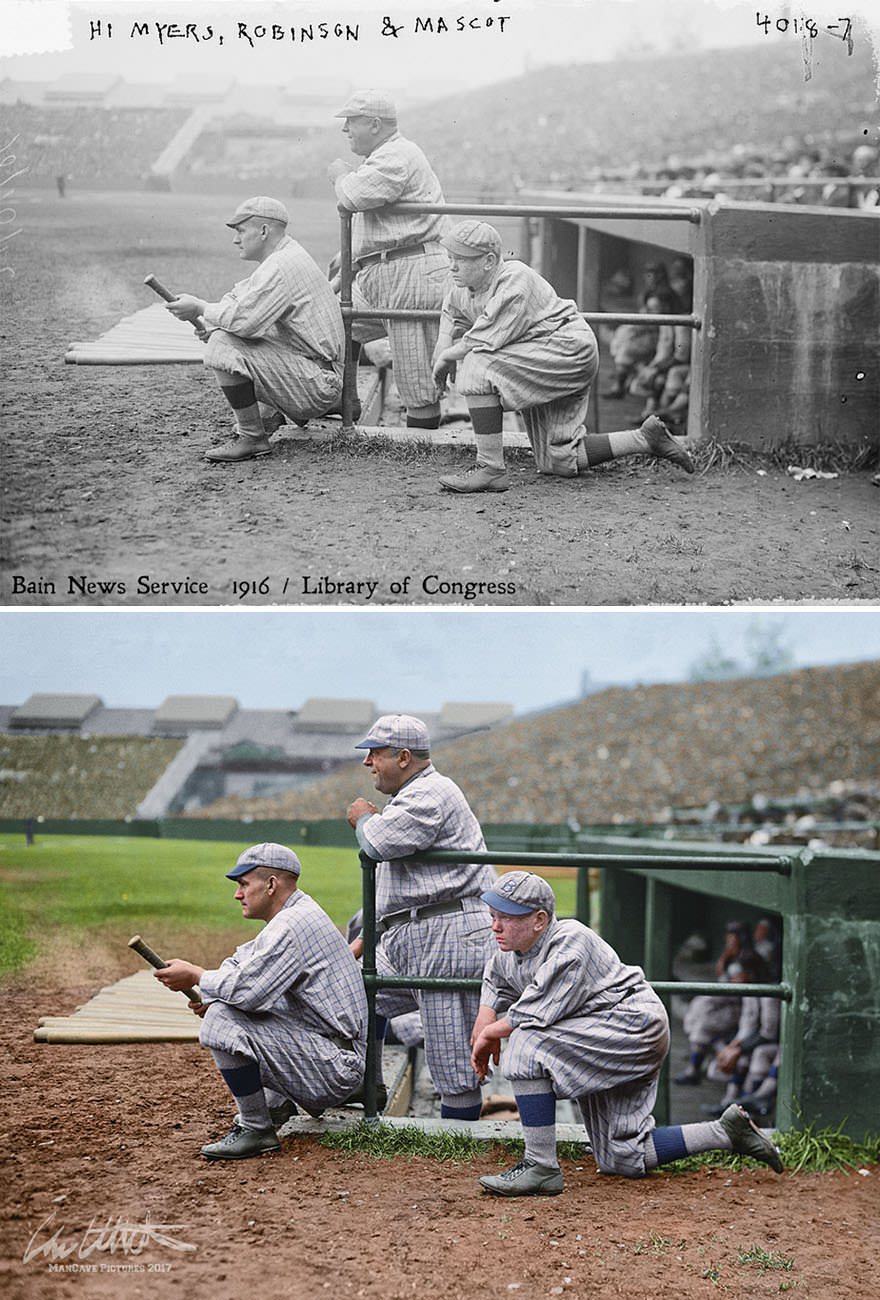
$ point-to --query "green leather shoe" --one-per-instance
(747, 1138)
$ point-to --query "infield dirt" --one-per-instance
(106, 481)
(96, 1138)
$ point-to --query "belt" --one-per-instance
(419, 913)
(390, 254)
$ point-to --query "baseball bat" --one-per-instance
(154, 959)
(158, 287)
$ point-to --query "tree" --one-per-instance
(766, 655)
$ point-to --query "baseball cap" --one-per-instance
(261, 206)
(399, 730)
(369, 103)
(518, 892)
(471, 238)
(274, 856)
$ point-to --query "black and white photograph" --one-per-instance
(207, 207)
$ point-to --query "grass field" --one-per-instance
(65, 892)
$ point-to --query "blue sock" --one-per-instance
(668, 1143)
(462, 1105)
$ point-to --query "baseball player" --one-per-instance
(285, 1017)
(430, 920)
(581, 1024)
(512, 343)
(276, 338)
(398, 257)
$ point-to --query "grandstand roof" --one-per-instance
(457, 716)
(200, 90)
(194, 712)
(319, 714)
(48, 710)
(82, 88)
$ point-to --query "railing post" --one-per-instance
(368, 868)
(658, 937)
(349, 374)
(582, 897)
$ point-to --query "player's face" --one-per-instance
(253, 894)
(248, 239)
(362, 134)
(472, 272)
(517, 933)
(385, 767)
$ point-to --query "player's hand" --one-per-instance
(357, 948)
(357, 809)
(179, 975)
(484, 1050)
(203, 333)
(198, 1008)
(444, 370)
(728, 1057)
(337, 168)
(186, 307)
(485, 1016)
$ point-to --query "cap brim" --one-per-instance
(241, 871)
(502, 904)
(371, 743)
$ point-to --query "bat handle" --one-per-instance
(144, 949)
(158, 287)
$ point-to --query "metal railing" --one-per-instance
(781, 864)
(580, 212)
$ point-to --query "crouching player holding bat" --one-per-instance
(581, 1024)
(275, 338)
(285, 1017)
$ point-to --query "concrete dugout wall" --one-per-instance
(789, 298)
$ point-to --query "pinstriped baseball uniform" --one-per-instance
(590, 1024)
(535, 350)
(282, 327)
(293, 998)
(430, 812)
(398, 171)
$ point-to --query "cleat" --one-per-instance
(687, 1077)
(481, 479)
(662, 444)
(242, 1143)
(526, 1178)
(357, 1098)
(242, 448)
(747, 1138)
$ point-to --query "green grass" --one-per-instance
(386, 1142)
(77, 885)
(804, 1150)
(765, 1259)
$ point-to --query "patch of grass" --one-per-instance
(765, 1259)
(386, 1141)
(78, 885)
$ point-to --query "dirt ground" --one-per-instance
(106, 482)
(97, 1138)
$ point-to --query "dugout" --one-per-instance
(829, 905)
(788, 297)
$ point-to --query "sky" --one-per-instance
(401, 660)
(42, 39)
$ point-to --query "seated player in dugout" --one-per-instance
(275, 341)
(511, 343)
(285, 1017)
(581, 1024)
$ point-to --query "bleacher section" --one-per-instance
(76, 776)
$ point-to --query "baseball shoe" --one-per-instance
(242, 1143)
(662, 444)
(242, 448)
(747, 1138)
(688, 1077)
(481, 479)
(357, 1098)
(526, 1178)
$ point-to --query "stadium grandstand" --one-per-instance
(569, 128)
(67, 755)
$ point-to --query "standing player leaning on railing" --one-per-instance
(397, 256)
(511, 343)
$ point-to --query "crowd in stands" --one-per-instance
(76, 776)
(86, 145)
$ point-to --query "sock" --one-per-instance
(487, 418)
(242, 1077)
(463, 1105)
(769, 1085)
(537, 1111)
(243, 400)
(696, 1061)
(599, 447)
(678, 1140)
(423, 417)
